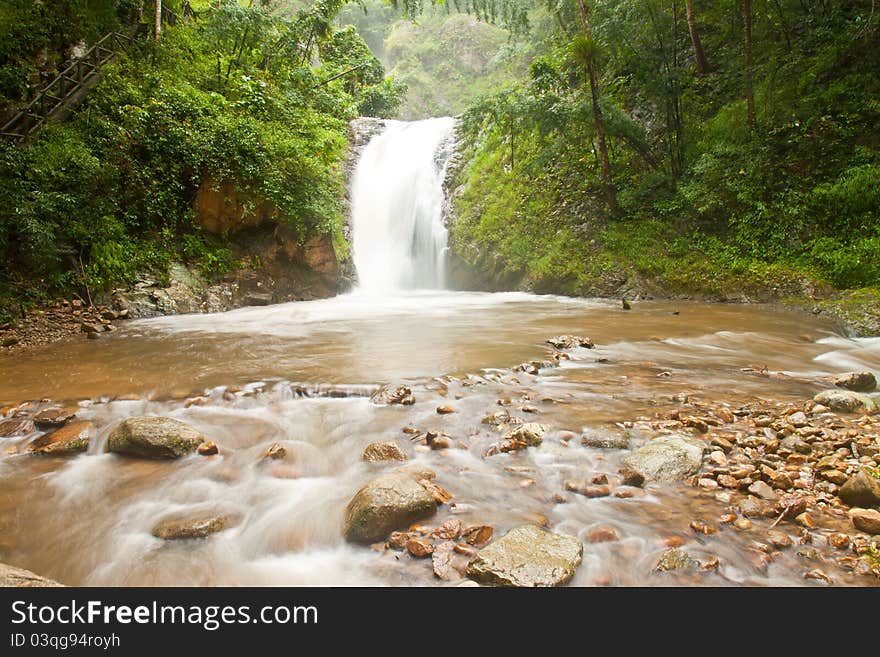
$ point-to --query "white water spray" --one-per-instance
(397, 208)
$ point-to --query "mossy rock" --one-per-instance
(154, 438)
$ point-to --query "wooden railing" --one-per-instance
(58, 98)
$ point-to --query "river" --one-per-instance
(300, 374)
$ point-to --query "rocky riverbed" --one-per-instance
(729, 483)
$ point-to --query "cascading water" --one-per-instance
(397, 207)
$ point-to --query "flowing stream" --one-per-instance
(300, 374)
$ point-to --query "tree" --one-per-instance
(749, 74)
(157, 28)
(584, 48)
(699, 53)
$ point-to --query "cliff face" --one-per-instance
(276, 264)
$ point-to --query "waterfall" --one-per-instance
(397, 207)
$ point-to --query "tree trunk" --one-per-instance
(158, 26)
(750, 88)
(699, 53)
(607, 182)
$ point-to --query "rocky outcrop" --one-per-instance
(845, 401)
(228, 207)
(390, 502)
(154, 438)
(527, 556)
(667, 458)
(12, 577)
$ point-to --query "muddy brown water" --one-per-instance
(87, 520)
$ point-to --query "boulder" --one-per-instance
(154, 438)
(527, 556)
(69, 439)
(861, 490)
(667, 458)
(530, 433)
(12, 577)
(866, 520)
(857, 381)
(196, 526)
(385, 504)
(845, 401)
(375, 452)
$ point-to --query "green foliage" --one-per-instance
(239, 95)
(707, 203)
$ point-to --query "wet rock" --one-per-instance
(805, 520)
(419, 547)
(527, 556)
(440, 494)
(394, 395)
(845, 401)
(819, 575)
(856, 381)
(12, 577)
(778, 539)
(208, 448)
(570, 341)
(276, 452)
(388, 451)
(387, 503)
(840, 541)
(835, 477)
(17, 426)
(795, 444)
(582, 488)
(602, 535)
(451, 529)
(866, 520)
(600, 440)
(762, 490)
(445, 410)
(154, 438)
(53, 417)
(703, 528)
(674, 559)
(752, 507)
(398, 540)
(798, 419)
(742, 524)
(477, 535)
(631, 477)
(530, 433)
(445, 561)
(90, 328)
(437, 441)
(667, 458)
(196, 526)
(861, 490)
(69, 439)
